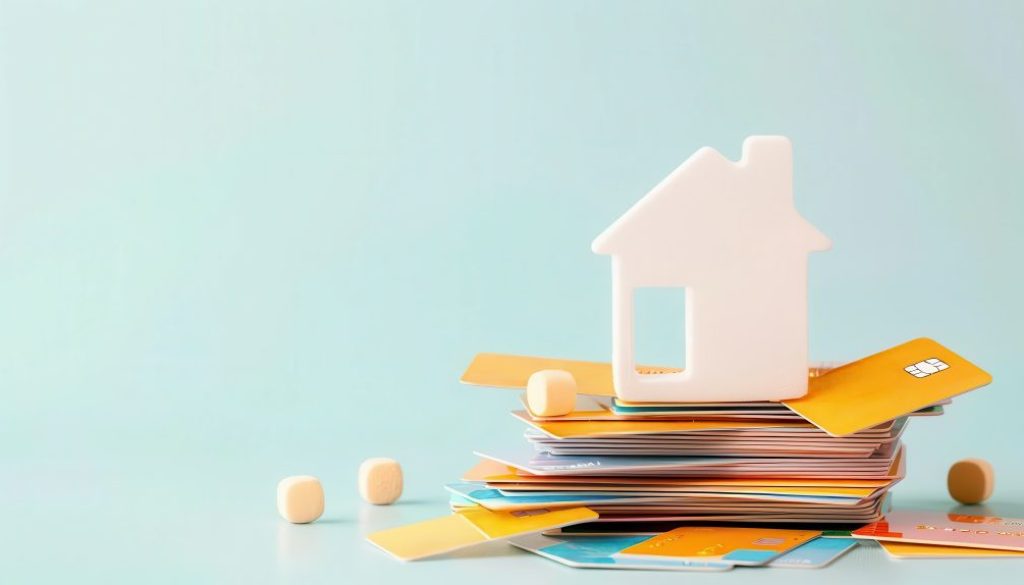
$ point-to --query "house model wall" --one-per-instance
(729, 233)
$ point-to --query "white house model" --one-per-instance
(729, 233)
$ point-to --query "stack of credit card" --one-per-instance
(828, 458)
(713, 485)
(750, 474)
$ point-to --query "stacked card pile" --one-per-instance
(827, 458)
(687, 463)
(617, 484)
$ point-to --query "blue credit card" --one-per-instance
(599, 551)
(495, 500)
(769, 407)
(766, 494)
(528, 459)
(814, 554)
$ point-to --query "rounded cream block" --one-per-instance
(380, 480)
(551, 393)
(300, 499)
(971, 481)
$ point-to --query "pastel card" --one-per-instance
(494, 472)
(545, 464)
(831, 493)
(899, 381)
(514, 371)
(470, 527)
(911, 550)
(644, 528)
(736, 545)
(885, 386)
(814, 554)
(947, 528)
(459, 502)
(600, 553)
(493, 499)
(764, 410)
(598, 428)
(585, 408)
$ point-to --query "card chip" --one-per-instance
(926, 368)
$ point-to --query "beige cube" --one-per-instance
(551, 393)
(380, 480)
(300, 499)
(971, 481)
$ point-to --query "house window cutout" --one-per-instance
(659, 329)
(926, 368)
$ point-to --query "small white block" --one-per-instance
(300, 499)
(380, 480)
(551, 393)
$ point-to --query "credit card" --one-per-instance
(545, 464)
(885, 386)
(514, 371)
(470, 527)
(736, 545)
(910, 550)
(600, 428)
(493, 499)
(814, 554)
(494, 472)
(599, 553)
(947, 528)
(910, 378)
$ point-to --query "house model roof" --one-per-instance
(712, 202)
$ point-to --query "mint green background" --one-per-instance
(244, 240)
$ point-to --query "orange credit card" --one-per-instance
(514, 371)
(886, 385)
(601, 428)
(497, 474)
(594, 378)
(840, 401)
(736, 545)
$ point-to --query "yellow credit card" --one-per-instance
(493, 472)
(470, 527)
(601, 428)
(594, 378)
(514, 371)
(885, 386)
(911, 550)
(736, 545)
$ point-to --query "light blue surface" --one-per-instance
(243, 240)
